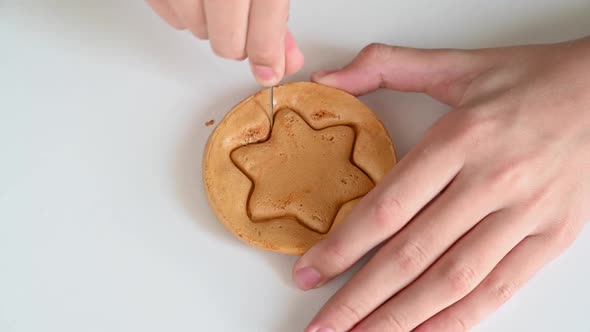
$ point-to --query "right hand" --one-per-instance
(240, 29)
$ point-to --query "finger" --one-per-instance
(266, 39)
(455, 274)
(227, 25)
(163, 9)
(192, 15)
(443, 74)
(412, 184)
(408, 254)
(518, 267)
(293, 57)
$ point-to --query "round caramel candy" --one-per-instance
(284, 188)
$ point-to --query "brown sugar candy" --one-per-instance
(285, 190)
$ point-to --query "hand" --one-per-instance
(240, 29)
(496, 188)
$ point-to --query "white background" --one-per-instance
(103, 221)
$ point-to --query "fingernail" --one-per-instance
(264, 74)
(307, 278)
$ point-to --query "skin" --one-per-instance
(496, 189)
(240, 29)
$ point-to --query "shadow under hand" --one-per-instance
(304, 305)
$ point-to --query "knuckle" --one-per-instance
(263, 56)
(460, 324)
(503, 291)
(499, 290)
(461, 279)
(447, 321)
(229, 52)
(351, 313)
(396, 321)
(377, 50)
(472, 126)
(514, 174)
(410, 257)
(539, 196)
(334, 256)
(387, 212)
(566, 233)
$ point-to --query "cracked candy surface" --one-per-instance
(302, 173)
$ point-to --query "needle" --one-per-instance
(272, 111)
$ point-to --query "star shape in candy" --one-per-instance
(301, 173)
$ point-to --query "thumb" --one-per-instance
(443, 74)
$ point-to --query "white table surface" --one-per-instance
(104, 225)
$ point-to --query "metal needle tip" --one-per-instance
(272, 113)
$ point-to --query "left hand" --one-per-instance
(497, 188)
